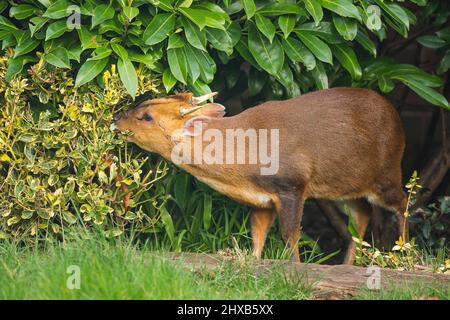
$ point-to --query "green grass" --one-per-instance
(415, 291)
(118, 270)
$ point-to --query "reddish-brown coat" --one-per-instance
(340, 144)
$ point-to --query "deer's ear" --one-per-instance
(194, 126)
(213, 110)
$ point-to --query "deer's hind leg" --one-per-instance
(360, 211)
(290, 210)
(392, 197)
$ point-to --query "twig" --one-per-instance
(401, 44)
(32, 71)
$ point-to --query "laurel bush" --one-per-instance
(289, 46)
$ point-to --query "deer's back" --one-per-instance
(340, 140)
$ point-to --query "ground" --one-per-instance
(97, 268)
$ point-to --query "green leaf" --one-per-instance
(348, 60)
(273, 90)
(102, 13)
(363, 39)
(286, 78)
(352, 228)
(89, 40)
(269, 56)
(128, 75)
(36, 24)
(195, 36)
(130, 12)
(400, 28)
(242, 48)
(287, 24)
(114, 26)
(56, 29)
(197, 16)
(69, 217)
(120, 51)
(25, 45)
(149, 59)
(58, 57)
(432, 42)
(216, 22)
(5, 24)
(249, 8)
(385, 84)
(168, 80)
(420, 2)
(296, 51)
(256, 81)
(319, 48)
(347, 28)
(21, 35)
(444, 34)
(320, 76)
(206, 63)
(192, 63)
(406, 71)
(15, 66)
(58, 10)
(265, 26)
(89, 70)
(216, 11)
(411, 16)
(178, 64)
(220, 40)
(427, 93)
(396, 12)
(4, 34)
(185, 4)
(168, 223)
(207, 211)
(324, 30)
(158, 29)
(199, 88)
(175, 41)
(211, 16)
(235, 32)
(277, 9)
(9, 41)
(22, 11)
(314, 9)
(166, 5)
(74, 53)
(444, 65)
(3, 6)
(344, 8)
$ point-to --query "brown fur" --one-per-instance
(338, 144)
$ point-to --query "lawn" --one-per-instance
(118, 269)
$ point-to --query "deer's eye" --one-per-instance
(146, 117)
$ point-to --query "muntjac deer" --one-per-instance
(338, 144)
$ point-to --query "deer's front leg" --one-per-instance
(261, 221)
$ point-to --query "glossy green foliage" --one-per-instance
(190, 41)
